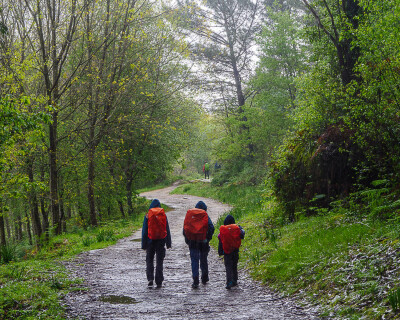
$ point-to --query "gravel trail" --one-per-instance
(117, 285)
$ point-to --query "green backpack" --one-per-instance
(206, 167)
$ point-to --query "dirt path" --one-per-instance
(118, 288)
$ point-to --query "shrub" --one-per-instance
(317, 168)
(7, 253)
(86, 241)
(394, 299)
(105, 235)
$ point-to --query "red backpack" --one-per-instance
(196, 224)
(230, 237)
(157, 224)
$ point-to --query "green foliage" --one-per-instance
(344, 132)
(105, 235)
(282, 60)
(374, 108)
(339, 260)
(394, 299)
(3, 28)
(31, 289)
(7, 253)
(86, 241)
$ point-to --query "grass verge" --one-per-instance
(33, 284)
(345, 264)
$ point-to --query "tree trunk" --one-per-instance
(18, 229)
(92, 116)
(8, 227)
(121, 208)
(33, 203)
(55, 205)
(69, 213)
(45, 219)
(129, 196)
(238, 83)
(45, 216)
(2, 228)
(28, 228)
(91, 176)
(62, 217)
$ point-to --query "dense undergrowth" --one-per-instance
(33, 281)
(343, 260)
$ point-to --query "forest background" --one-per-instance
(296, 101)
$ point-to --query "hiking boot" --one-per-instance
(150, 284)
(159, 285)
(229, 285)
(234, 283)
(204, 280)
(195, 283)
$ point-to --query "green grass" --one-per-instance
(32, 287)
(346, 264)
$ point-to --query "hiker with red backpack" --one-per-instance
(155, 236)
(198, 230)
(230, 238)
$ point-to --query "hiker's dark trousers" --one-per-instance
(156, 248)
(196, 256)
(207, 174)
(231, 261)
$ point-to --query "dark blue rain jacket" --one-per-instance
(146, 241)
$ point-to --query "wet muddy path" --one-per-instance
(117, 285)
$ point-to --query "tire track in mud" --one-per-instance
(117, 285)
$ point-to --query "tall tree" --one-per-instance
(226, 31)
(53, 26)
(337, 20)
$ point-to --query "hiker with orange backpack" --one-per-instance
(155, 236)
(198, 230)
(230, 238)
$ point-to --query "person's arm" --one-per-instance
(242, 233)
(210, 230)
(145, 233)
(168, 239)
(220, 249)
(184, 235)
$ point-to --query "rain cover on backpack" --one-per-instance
(196, 224)
(230, 237)
(157, 224)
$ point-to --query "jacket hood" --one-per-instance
(201, 205)
(155, 204)
(229, 220)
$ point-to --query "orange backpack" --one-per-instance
(157, 224)
(196, 224)
(230, 237)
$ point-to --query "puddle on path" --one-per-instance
(118, 299)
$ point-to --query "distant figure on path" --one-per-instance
(229, 242)
(198, 230)
(155, 235)
(206, 170)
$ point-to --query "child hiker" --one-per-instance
(198, 230)
(155, 236)
(230, 238)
